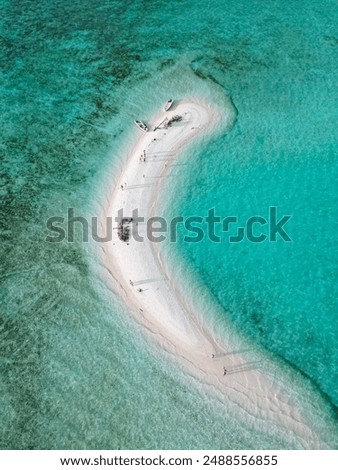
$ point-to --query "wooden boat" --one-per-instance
(141, 126)
(168, 104)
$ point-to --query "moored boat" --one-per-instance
(168, 105)
(141, 126)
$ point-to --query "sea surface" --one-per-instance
(76, 370)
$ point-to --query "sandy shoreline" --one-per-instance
(159, 307)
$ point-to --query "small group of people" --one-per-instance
(143, 156)
(123, 186)
(132, 283)
(224, 368)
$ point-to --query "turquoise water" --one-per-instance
(75, 371)
(281, 153)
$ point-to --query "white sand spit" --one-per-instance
(158, 306)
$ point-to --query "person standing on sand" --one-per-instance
(224, 371)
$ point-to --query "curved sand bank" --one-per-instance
(159, 307)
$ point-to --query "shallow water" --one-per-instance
(75, 371)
